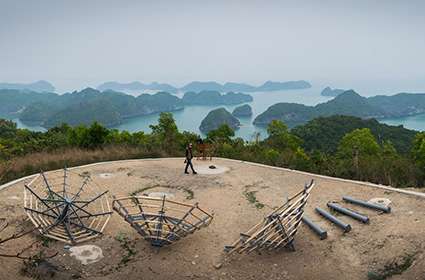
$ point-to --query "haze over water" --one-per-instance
(190, 118)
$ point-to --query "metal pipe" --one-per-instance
(366, 204)
(333, 219)
(318, 230)
(348, 212)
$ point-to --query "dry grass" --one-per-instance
(33, 163)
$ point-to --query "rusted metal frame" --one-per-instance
(143, 214)
(81, 188)
(304, 193)
(39, 198)
(161, 215)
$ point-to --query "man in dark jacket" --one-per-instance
(188, 161)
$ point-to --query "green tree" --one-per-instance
(271, 156)
(390, 157)
(358, 152)
(8, 128)
(166, 133)
(418, 149)
(77, 136)
(139, 138)
(96, 136)
(359, 142)
(188, 137)
(91, 137)
(223, 134)
(280, 138)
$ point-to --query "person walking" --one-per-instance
(188, 160)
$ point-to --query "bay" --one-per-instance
(416, 122)
(190, 117)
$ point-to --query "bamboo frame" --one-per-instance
(66, 207)
(277, 230)
(161, 221)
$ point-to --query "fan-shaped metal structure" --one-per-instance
(278, 229)
(66, 206)
(159, 220)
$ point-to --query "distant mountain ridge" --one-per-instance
(108, 107)
(348, 103)
(272, 86)
(39, 86)
(136, 86)
(198, 86)
(12, 101)
(328, 91)
(231, 86)
(212, 97)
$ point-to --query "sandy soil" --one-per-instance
(387, 240)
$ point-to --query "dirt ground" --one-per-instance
(391, 246)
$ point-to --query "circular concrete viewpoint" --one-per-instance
(208, 169)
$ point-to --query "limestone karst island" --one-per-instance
(262, 140)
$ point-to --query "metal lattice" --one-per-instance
(278, 229)
(3, 224)
(159, 220)
(66, 207)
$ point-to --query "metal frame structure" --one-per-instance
(204, 151)
(3, 224)
(277, 230)
(66, 208)
(159, 220)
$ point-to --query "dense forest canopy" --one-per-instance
(338, 146)
(324, 133)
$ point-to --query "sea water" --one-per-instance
(190, 117)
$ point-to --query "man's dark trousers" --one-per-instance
(189, 163)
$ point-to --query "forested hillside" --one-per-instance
(109, 108)
(324, 133)
(89, 105)
(347, 103)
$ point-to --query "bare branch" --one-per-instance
(17, 235)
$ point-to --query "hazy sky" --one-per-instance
(366, 45)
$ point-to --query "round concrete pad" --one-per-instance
(86, 254)
(205, 169)
(106, 175)
(161, 195)
(380, 201)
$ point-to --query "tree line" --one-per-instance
(355, 154)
